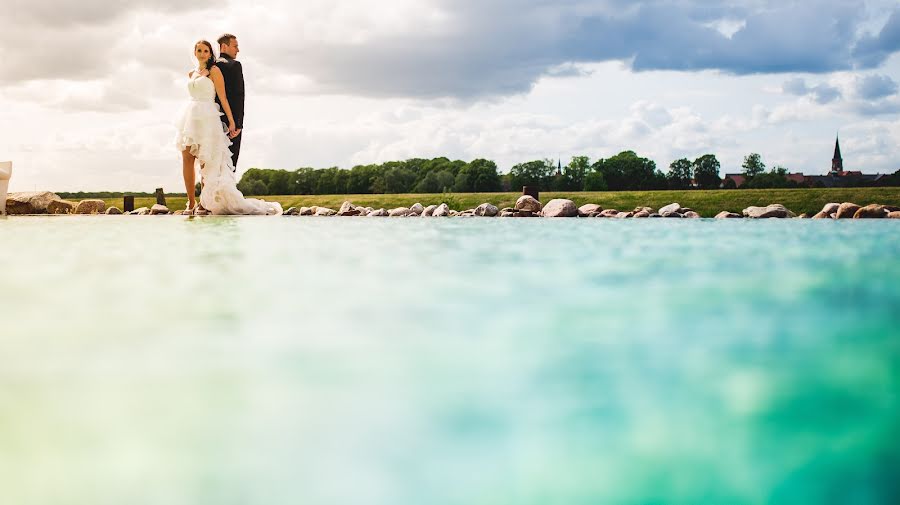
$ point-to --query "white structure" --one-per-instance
(5, 174)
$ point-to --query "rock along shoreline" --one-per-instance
(45, 202)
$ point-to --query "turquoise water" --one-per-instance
(162, 360)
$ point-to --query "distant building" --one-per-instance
(837, 177)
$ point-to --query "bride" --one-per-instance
(202, 139)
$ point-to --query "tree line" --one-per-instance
(626, 171)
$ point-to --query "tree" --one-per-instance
(627, 170)
(429, 184)
(445, 180)
(574, 173)
(706, 171)
(258, 188)
(679, 176)
(594, 181)
(399, 180)
(532, 173)
(753, 165)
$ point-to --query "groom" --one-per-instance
(234, 89)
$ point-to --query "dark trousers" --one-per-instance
(235, 145)
(236, 149)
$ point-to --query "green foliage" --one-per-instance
(628, 171)
(706, 171)
(776, 178)
(753, 165)
(594, 181)
(680, 174)
(537, 173)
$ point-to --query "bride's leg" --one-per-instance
(187, 168)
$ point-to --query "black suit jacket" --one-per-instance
(234, 88)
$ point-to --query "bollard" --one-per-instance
(161, 197)
(531, 191)
(5, 174)
(128, 203)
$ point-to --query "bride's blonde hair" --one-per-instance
(212, 55)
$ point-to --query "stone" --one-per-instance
(454, 213)
(377, 213)
(417, 208)
(655, 215)
(589, 208)
(596, 214)
(486, 210)
(428, 211)
(306, 211)
(292, 211)
(529, 203)
(60, 207)
(638, 210)
(691, 215)
(442, 210)
(776, 210)
(412, 214)
(847, 210)
(822, 215)
(894, 215)
(143, 211)
(624, 215)
(670, 213)
(159, 210)
(891, 208)
(92, 207)
(873, 211)
(728, 215)
(641, 215)
(831, 208)
(560, 207)
(113, 211)
(508, 213)
(325, 211)
(399, 212)
(176, 213)
(32, 202)
(528, 213)
(672, 207)
(609, 213)
(348, 209)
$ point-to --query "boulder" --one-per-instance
(348, 209)
(655, 214)
(624, 215)
(509, 213)
(641, 215)
(377, 213)
(176, 213)
(529, 203)
(143, 211)
(775, 210)
(894, 215)
(454, 213)
(428, 211)
(293, 211)
(114, 211)
(33, 202)
(486, 210)
(92, 207)
(442, 210)
(822, 215)
(596, 214)
(873, 211)
(417, 209)
(325, 211)
(831, 208)
(159, 210)
(891, 208)
(728, 215)
(412, 214)
(691, 215)
(560, 207)
(589, 208)
(670, 213)
(399, 212)
(672, 207)
(61, 207)
(638, 210)
(609, 213)
(847, 210)
(306, 211)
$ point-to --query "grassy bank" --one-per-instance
(707, 203)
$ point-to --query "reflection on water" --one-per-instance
(289, 360)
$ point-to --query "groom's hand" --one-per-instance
(234, 133)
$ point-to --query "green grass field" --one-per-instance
(707, 203)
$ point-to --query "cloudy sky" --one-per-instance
(89, 89)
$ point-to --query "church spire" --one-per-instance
(837, 163)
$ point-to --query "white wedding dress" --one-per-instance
(201, 131)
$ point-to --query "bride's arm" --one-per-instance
(216, 75)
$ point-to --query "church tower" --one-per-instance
(837, 163)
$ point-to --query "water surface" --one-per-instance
(164, 360)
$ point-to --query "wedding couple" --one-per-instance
(209, 132)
